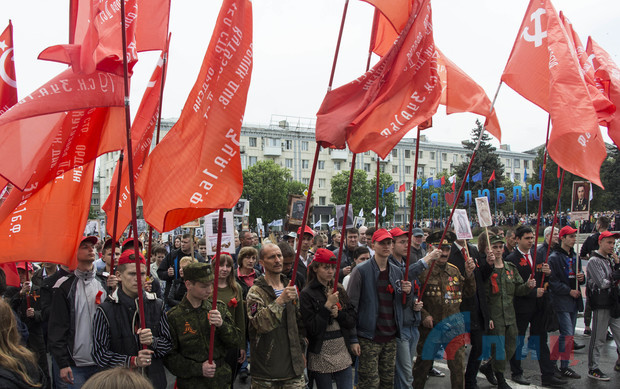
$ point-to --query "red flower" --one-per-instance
(390, 289)
(98, 297)
(232, 302)
(523, 262)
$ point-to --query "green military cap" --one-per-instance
(435, 237)
(198, 271)
(495, 239)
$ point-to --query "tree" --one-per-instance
(387, 200)
(360, 190)
(266, 185)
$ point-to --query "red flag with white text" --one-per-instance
(49, 225)
(8, 83)
(144, 123)
(544, 69)
(196, 168)
(401, 91)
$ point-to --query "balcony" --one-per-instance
(339, 155)
(272, 151)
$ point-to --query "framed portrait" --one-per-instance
(358, 222)
(340, 216)
(211, 231)
(460, 223)
(580, 204)
(242, 208)
(296, 206)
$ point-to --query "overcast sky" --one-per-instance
(294, 42)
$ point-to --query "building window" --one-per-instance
(321, 165)
(252, 142)
(432, 155)
(394, 169)
(322, 200)
(304, 163)
(394, 153)
(321, 182)
(407, 169)
(420, 171)
(407, 153)
(444, 157)
(95, 201)
(407, 186)
(367, 167)
(382, 168)
(253, 161)
(508, 162)
(288, 163)
(272, 142)
(304, 145)
(517, 176)
(455, 158)
(421, 154)
(432, 172)
(288, 144)
(336, 166)
(517, 163)
(305, 181)
(526, 164)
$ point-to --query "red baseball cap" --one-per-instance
(396, 232)
(324, 256)
(566, 230)
(131, 240)
(91, 239)
(307, 230)
(22, 265)
(124, 259)
(381, 235)
(607, 234)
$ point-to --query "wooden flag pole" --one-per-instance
(540, 197)
(216, 272)
(557, 204)
(377, 225)
(412, 209)
(344, 223)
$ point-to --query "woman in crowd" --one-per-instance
(18, 365)
(246, 273)
(230, 292)
(328, 318)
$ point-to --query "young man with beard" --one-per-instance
(346, 259)
(116, 341)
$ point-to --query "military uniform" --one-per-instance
(190, 332)
(442, 299)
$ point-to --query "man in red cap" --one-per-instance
(565, 280)
(74, 303)
(116, 340)
(603, 275)
(376, 290)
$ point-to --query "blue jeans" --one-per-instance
(567, 321)
(405, 351)
(81, 375)
(343, 379)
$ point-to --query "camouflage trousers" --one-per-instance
(456, 361)
(292, 383)
(376, 364)
(503, 341)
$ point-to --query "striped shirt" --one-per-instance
(386, 323)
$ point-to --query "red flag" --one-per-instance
(57, 127)
(544, 69)
(443, 180)
(607, 78)
(141, 136)
(402, 188)
(389, 22)
(401, 91)
(196, 168)
(492, 178)
(49, 225)
(8, 85)
(12, 276)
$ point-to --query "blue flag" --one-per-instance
(477, 177)
(467, 180)
(525, 175)
(390, 189)
(427, 184)
(418, 182)
(437, 183)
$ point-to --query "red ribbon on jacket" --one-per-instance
(494, 283)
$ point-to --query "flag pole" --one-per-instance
(456, 199)
(344, 223)
(132, 190)
(557, 204)
(540, 197)
(411, 209)
(216, 272)
(377, 196)
(318, 149)
(115, 221)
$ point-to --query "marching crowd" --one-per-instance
(374, 322)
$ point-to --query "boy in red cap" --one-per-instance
(564, 281)
(116, 341)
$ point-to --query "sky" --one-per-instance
(294, 44)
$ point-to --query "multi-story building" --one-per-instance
(290, 143)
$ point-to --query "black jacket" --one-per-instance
(12, 380)
(172, 260)
(527, 304)
(560, 284)
(316, 317)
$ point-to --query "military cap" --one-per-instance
(435, 237)
(198, 271)
(495, 239)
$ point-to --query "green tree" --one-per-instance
(360, 190)
(266, 185)
(387, 200)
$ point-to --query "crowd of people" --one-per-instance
(375, 321)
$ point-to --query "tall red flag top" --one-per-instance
(196, 168)
(544, 69)
(8, 85)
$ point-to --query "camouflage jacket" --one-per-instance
(501, 287)
(190, 332)
(276, 333)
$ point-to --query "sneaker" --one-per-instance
(435, 373)
(597, 374)
(570, 373)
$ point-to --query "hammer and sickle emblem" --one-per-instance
(538, 36)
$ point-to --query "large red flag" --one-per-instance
(59, 125)
(544, 69)
(389, 22)
(8, 85)
(196, 168)
(49, 225)
(141, 136)
(607, 78)
(401, 91)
